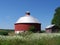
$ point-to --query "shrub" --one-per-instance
(4, 33)
(32, 29)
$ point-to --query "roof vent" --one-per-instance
(27, 13)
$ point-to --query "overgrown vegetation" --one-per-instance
(31, 39)
(26, 33)
(43, 31)
(32, 29)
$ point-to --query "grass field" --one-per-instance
(31, 39)
(6, 31)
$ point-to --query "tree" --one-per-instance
(56, 18)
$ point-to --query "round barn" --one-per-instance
(24, 23)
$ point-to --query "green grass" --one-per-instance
(31, 39)
(5, 31)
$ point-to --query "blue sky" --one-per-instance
(12, 10)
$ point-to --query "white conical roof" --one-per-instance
(27, 19)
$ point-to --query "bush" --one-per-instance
(3, 33)
(32, 29)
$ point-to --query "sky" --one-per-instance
(12, 10)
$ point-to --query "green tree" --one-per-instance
(56, 18)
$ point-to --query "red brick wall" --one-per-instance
(26, 26)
